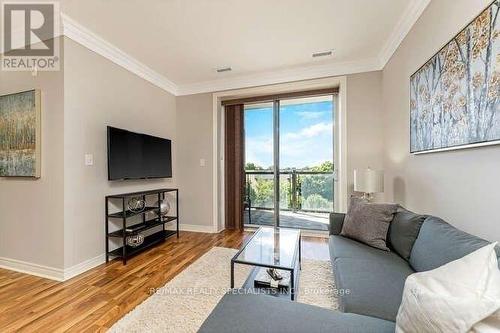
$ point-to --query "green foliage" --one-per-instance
(316, 184)
(252, 166)
(316, 202)
(261, 192)
(326, 166)
(314, 192)
(285, 193)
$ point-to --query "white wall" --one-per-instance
(31, 210)
(64, 221)
(57, 221)
(365, 142)
(460, 186)
(195, 135)
(99, 93)
(194, 138)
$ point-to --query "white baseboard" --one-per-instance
(197, 228)
(32, 269)
(84, 266)
(303, 232)
(315, 233)
(52, 273)
(59, 274)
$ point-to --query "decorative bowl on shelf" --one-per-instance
(136, 204)
(135, 240)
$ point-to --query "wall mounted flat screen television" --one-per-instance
(138, 156)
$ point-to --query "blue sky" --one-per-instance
(306, 137)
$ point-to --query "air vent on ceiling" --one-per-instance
(322, 54)
(223, 69)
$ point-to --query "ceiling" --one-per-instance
(263, 41)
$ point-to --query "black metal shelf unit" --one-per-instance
(126, 251)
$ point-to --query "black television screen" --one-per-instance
(138, 156)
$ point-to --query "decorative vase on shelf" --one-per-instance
(164, 207)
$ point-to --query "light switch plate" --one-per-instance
(202, 162)
(89, 159)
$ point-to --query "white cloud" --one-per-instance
(259, 150)
(311, 131)
(310, 115)
(308, 147)
(317, 129)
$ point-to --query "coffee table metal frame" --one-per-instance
(294, 269)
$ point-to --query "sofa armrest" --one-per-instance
(241, 312)
(336, 222)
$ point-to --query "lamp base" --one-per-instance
(368, 196)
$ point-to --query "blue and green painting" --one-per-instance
(18, 121)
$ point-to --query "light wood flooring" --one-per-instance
(93, 301)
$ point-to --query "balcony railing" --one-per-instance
(304, 191)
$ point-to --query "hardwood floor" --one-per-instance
(93, 301)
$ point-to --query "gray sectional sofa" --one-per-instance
(376, 278)
(372, 281)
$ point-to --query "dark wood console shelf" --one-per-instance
(125, 251)
(149, 241)
(129, 213)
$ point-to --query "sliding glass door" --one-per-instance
(259, 196)
(306, 162)
(289, 169)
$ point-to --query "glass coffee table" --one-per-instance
(270, 247)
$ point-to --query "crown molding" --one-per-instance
(280, 76)
(99, 45)
(93, 42)
(410, 16)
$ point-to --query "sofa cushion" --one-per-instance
(371, 288)
(342, 247)
(370, 281)
(453, 297)
(261, 313)
(403, 231)
(336, 223)
(438, 243)
(368, 222)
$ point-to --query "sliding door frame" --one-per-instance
(276, 160)
(340, 137)
(276, 102)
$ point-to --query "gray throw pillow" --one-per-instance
(404, 230)
(438, 243)
(368, 222)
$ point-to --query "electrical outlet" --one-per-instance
(89, 159)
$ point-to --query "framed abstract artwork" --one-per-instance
(20, 134)
(455, 96)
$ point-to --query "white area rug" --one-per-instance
(316, 284)
(184, 303)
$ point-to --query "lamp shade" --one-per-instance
(368, 180)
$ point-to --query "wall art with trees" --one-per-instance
(455, 96)
(20, 134)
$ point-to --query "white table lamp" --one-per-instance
(368, 181)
